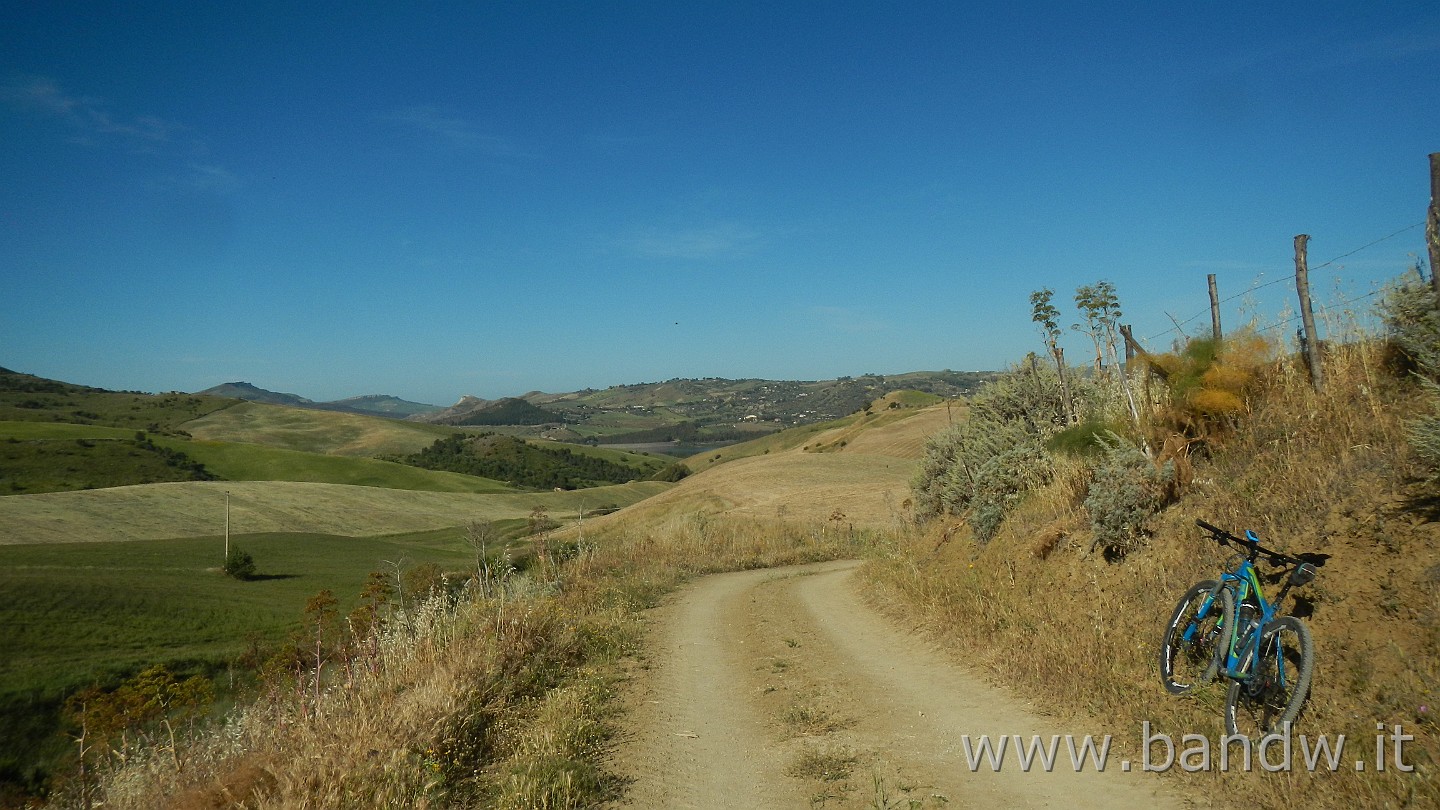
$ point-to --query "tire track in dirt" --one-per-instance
(781, 688)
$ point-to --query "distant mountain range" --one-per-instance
(704, 405)
(369, 405)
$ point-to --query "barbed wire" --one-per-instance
(1323, 308)
(1177, 328)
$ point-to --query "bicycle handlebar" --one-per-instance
(1275, 558)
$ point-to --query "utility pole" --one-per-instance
(1432, 222)
(227, 525)
(1307, 315)
(1214, 309)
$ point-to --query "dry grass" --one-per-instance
(342, 434)
(1307, 471)
(823, 763)
(865, 490)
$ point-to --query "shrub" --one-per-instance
(1128, 490)
(1003, 480)
(240, 565)
(1423, 435)
(672, 473)
(1205, 384)
(983, 467)
(1413, 321)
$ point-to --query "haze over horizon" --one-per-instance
(489, 199)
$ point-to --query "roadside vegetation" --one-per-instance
(1053, 540)
(499, 694)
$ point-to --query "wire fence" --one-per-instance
(1178, 328)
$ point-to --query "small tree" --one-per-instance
(1100, 305)
(1047, 316)
(423, 580)
(240, 565)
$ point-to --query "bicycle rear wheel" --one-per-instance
(1275, 690)
(1191, 648)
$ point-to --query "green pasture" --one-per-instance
(78, 614)
(39, 431)
(234, 461)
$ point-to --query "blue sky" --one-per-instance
(436, 199)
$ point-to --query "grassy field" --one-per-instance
(593, 619)
(197, 509)
(81, 613)
(75, 611)
(327, 432)
(234, 461)
(50, 431)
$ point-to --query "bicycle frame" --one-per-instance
(1245, 635)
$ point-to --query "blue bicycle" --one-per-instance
(1228, 627)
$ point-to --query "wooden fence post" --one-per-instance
(1214, 309)
(1311, 345)
(1432, 222)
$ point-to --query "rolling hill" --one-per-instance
(855, 470)
(369, 404)
(717, 405)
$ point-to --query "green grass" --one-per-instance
(58, 465)
(30, 431)
(83, 613)
(26, 398)
(76, 611)
(40, 457)
(234, 461)
(913, 399)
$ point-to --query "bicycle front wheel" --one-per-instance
(1275, 690)
(1191, 649)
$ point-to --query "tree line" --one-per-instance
(506, 458)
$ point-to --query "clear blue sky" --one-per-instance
(495, 197)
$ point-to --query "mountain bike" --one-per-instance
(1228, 627)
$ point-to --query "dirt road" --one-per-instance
(781, 688)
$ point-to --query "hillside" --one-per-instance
(314, 431)
(27, 398)
(76, 438)
(864, 482)
(507, 411)
(716, 406)
(369, 404)
(532, 465)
